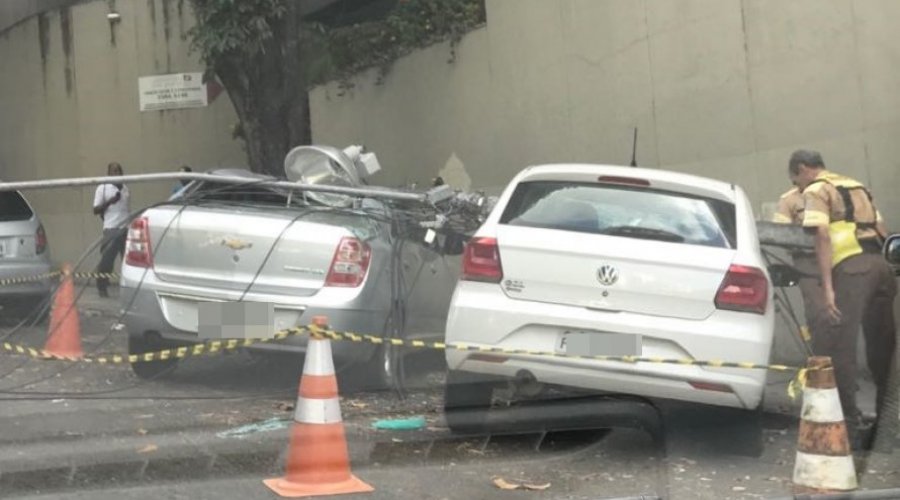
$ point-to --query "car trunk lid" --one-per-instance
(279, 251)
(615, 248)
(610, 273)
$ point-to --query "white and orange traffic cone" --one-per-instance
(824, 461)
(318, 460)
(64, 334)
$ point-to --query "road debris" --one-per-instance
(271, 424)
(400, 424)
(503, 484)
(150, 448)
(282, 406)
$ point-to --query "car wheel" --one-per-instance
(382, 371)
(467, 401)
(138, 344)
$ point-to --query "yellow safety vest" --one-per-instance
(844, 242)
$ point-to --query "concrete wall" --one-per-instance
(69, 105)
(14, 11)
(721, 88)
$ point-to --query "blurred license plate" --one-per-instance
(576, 343)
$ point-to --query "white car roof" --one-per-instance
(662, 179)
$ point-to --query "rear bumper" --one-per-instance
(23, 270)
(482, 315)
(143, 313)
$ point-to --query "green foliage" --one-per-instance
(411, 25)
(233, 28)
(241, 29)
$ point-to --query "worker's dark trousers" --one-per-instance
(864, 288)
(811, 289)
(112, 245)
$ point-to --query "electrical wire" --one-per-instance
(195, 198)
(55, 287)
(786, 310)
(123, 312)
(190, 202)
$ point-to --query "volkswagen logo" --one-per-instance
(608, 275)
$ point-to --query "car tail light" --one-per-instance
(350, 263)
(137, 247)
(40, 240)
(481, 261)
(744, 289)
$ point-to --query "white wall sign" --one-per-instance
(181, 90)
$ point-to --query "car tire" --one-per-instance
(467, 401)
(149, 370)
(382, 371)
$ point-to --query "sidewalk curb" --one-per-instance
(54, 466)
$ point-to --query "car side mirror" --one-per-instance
(783, 275)
(892, 252)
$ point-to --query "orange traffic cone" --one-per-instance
(824, 461)
(64, 334)
(318, 462)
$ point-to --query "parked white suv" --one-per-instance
(601, 260)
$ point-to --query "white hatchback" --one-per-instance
(600, 260)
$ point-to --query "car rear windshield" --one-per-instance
(13, 207)
(622, 211)
(241, 194)
(361, 225)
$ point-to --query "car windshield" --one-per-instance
(622, 211)
(449, 249)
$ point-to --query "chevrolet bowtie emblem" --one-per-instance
(235, 244)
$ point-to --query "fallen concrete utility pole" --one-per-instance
(389, 194)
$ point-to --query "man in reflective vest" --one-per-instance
(858, 285)
(790, 211)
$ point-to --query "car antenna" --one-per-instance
(634, 149)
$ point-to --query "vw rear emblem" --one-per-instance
(608, 275)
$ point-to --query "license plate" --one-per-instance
(578, 343)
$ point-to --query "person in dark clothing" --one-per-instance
(858, 285)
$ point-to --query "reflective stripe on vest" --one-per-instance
(844, 242)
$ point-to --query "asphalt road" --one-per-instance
(217, 426)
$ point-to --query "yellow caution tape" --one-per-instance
(17, 280)
(214, 347)
(110, 276)
(28, 279)
(797, 383)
